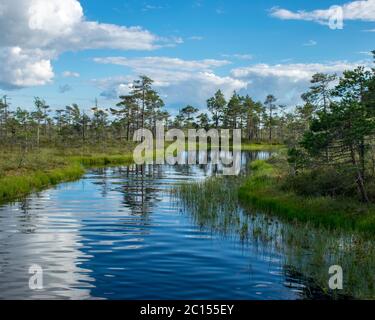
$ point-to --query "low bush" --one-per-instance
(321, 182)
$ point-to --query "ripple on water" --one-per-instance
(118, 234)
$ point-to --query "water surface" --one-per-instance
(119, 234)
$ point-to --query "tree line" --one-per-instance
(330, 135)
(335, 155)
(141, 108)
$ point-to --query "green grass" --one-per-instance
(246, 145)
(311, 251)
(263, 190)
(102, 160)
(214, 204)
(21, 174)
(261, 147)
(13, 187)
(314, 240)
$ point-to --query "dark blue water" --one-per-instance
(119, 234)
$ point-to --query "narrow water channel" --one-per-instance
(119, 234)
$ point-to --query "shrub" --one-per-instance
(321, 182)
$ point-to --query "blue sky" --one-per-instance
(76, 51)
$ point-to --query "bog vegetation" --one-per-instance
(330, 137)
(142, 108)
(326, 175)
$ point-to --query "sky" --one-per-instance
(70, 51)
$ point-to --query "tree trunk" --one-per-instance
(38, 135)
(362, 159)
(360, 181)
(270, 135)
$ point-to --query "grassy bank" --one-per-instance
(13, 187)
(102, 160)
(213, 203)
(263, 190)
(22, 173)
(246, 146)
(307, 252)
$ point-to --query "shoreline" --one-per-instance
(14, 187)
(262, 190)
(71, 167)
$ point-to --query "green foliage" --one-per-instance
(297, 159)
(322, 182)
(22, 173)
(216, 105)
(213, 204)
(186, 116)
(12, 187)
(248, 146)
(265, 189)
(103, 160)
(341, 133)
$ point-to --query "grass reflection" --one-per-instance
(307, 251)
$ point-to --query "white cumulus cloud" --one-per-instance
(178, 81)
(70, 74)
(24, 68)
(310, 43)
(286, 81)
(164, 63)
(34, 32)
(193, 81)
(363, 10)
